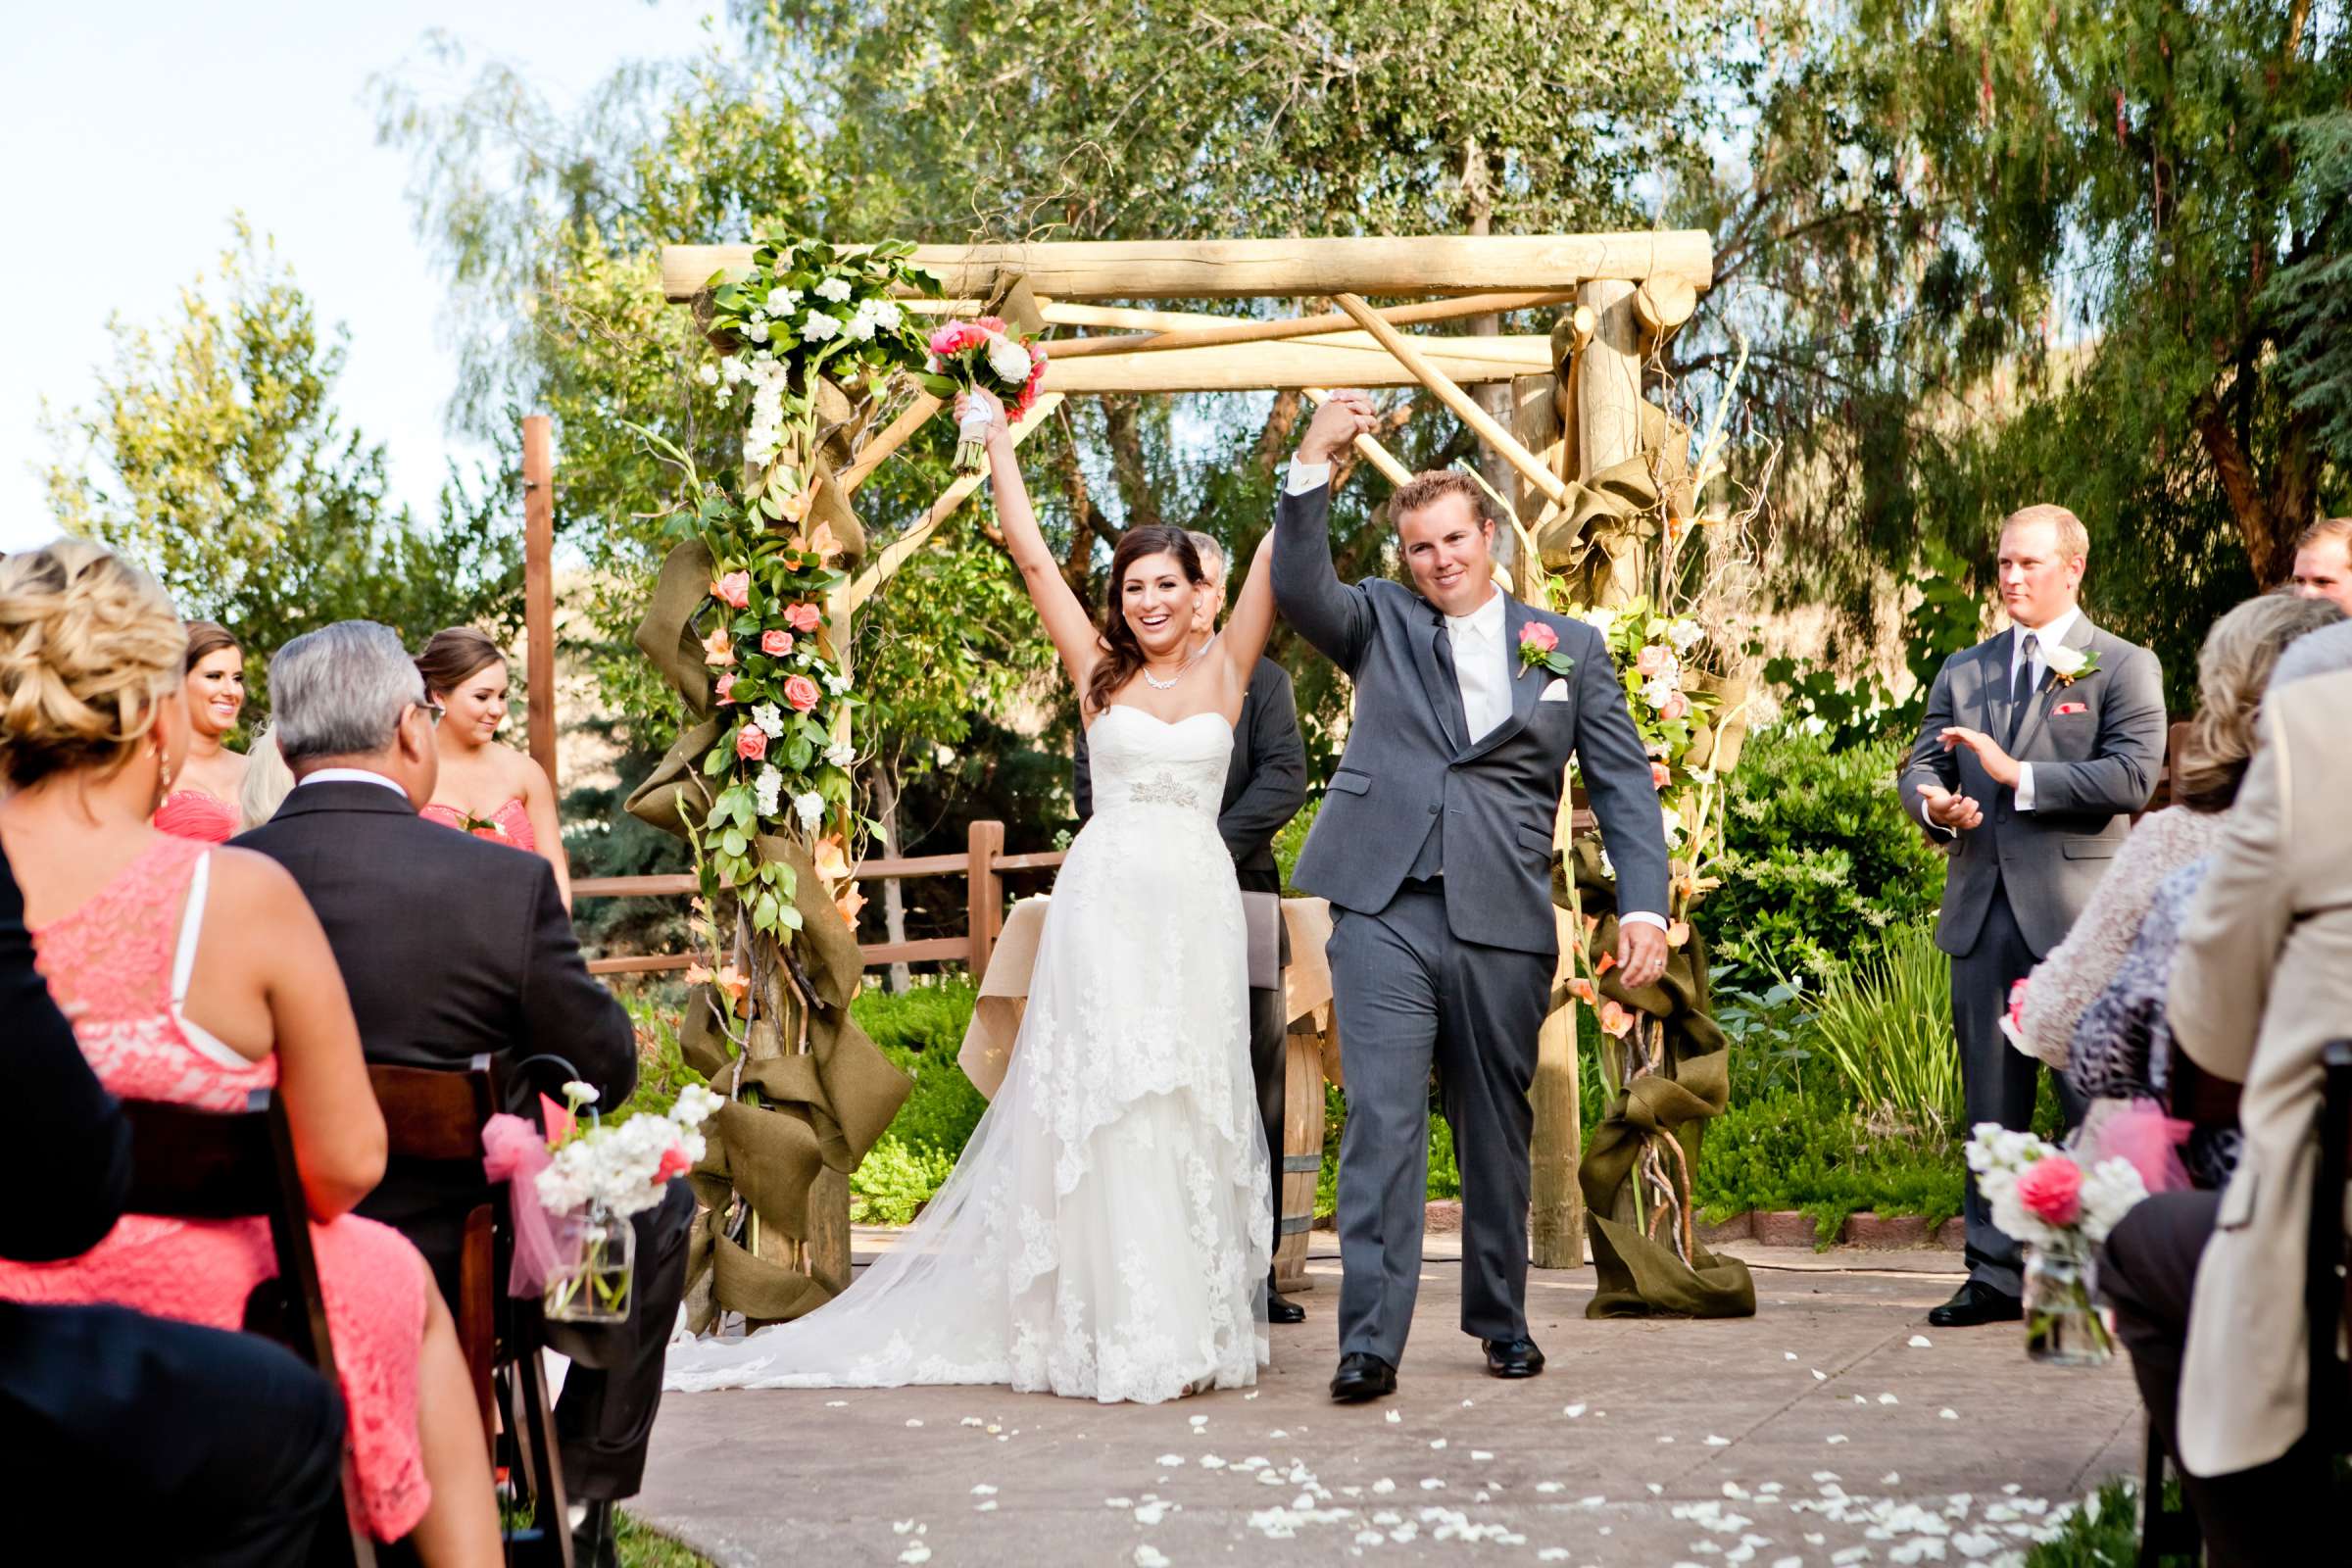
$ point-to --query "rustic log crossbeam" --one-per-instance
(1336, 322)
(893, 556)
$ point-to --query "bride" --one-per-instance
(1106, 1233)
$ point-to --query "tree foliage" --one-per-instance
(212, 452)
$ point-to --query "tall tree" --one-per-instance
(213, 452)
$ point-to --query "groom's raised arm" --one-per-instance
(1333, 615)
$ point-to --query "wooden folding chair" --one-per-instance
(433, 1115)
(2328, 1286)
(193, 1163)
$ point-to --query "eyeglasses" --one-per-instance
(432, 712)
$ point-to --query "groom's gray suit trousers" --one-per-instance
(1409, 995)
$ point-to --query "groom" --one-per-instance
(1433, 847)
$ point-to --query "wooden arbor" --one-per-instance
(1619, 292)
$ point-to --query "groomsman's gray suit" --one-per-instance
(2014, 884)
(1434, 851)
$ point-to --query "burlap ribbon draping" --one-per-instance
(1641, 1275)
(988, 1039)
(817, 1108)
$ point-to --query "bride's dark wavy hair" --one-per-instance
(1126, 655)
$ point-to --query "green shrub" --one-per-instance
(2102, 1532)
(895, 1179)
(1793, 1151)
(1819, 859)
(920, 1031)
(1885, 1022)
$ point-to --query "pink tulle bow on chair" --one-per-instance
(514, 1152)
(2140, 1131)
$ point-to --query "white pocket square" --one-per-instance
(1556, 692)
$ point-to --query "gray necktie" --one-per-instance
(2021, 694)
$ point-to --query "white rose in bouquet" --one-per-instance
(1010, 359)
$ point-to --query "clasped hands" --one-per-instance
(1960, 812)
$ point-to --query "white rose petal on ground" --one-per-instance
(917, 1552)
(1948, 1413)
(1198, 1422)
(1920, 1342)
(1432, 1483)
(837, 1404)
(1888, 1398)
(913, 1421)
(984, 1490)
(1714, 1441)
(1572, 1411)
(970, 1421)
(1437, 1443)
(1209, 1461)
(990, 1507)
(1819, 1376)
(1169, 1461)
(1548, 1486)
(1149, 1557)
(899, 1527)
(1836, 1437)
(1479, 1456)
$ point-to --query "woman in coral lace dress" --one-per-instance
(198, 974)
(492, 791)
(203, 803)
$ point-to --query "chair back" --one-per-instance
(2328, 1282)
(2200, 1097)
(188, 1162)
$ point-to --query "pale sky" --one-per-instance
(132, 131)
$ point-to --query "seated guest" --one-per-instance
(2208, 1287)
(154, 1441)
(203, 803)
(452, 946)
(492, 791)
(197, 975)
(2095, 1006)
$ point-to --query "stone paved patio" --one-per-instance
(1819, 1432)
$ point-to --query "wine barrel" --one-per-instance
(1302, 1155)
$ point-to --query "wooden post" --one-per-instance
(984, 892)
(1608, 405)
(539, 587)
(1557, 1235)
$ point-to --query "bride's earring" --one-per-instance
(163, 772)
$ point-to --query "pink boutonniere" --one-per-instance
(1540, 648)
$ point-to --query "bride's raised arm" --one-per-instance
(1075, 636)
(1251, 620)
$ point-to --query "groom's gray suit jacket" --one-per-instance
(1410, 769)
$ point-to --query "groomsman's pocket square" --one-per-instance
(1556, 692)
(2064, 709)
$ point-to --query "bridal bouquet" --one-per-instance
(2060, 1212)
(599, 1174)
(982, 357)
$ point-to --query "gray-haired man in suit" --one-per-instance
(2039, 745)
(1435, 846)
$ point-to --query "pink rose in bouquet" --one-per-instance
(1676, 707)
(2051, 1190)
(734, 589)
(751, 742)
(800, 691)
(1652, 659)
(1660, 775)
(993, 370)
(776, 644)
(805, 618)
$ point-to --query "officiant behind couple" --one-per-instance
(1106, 1232)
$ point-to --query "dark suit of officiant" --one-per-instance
(453, 947)
(1265, 784)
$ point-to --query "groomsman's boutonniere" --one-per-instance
(1540, 648)
(2071, 665)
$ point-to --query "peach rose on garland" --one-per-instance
(1660, 775)
(1676, 707)
(776, 644)
(805, 618)
(751, 742)
(1652, 659)
(800, 691)
(725, 691)
(733, 589)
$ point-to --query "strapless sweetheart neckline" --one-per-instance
(1165, 723)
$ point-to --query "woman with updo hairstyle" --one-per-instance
(203, 803)
(491, 791)
(197, 973)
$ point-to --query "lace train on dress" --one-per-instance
(1106, 1233)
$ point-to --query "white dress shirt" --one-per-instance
(1481, 663)
(2051, 634)
(350, 775)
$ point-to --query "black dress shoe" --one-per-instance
(592, 1540)
(1513, 1358)
(1975, 1303)
(1362, 1376)
(1280, 1308)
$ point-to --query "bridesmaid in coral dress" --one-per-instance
(491, 791)
(197, 973)
(203, 804)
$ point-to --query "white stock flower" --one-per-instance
(861, 328)
(770, 719)
(756, 331)
(769, 786)
(886, 314)
(836, 682)
(835, 289)
(581, 1094)
(1010, 359)
(695, 1106)
(707, 374)
(1685, 634)
(1601, 620)
(733, 370)
(809, 807)
(841, 754)
(1660, 689)
(781, 300)
(816, 327)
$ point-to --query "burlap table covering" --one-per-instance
(988, 1039)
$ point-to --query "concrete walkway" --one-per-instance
(1821, 1431)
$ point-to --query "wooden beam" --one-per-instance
(885, 565)
(539, 588)
(1261, 367)
(1427, 371)
(1241, 331)
(877, 450)
(1240, 268)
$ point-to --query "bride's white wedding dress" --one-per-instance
(1106, 1234)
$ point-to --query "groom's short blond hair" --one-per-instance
(1428, 488)
(2074, 540)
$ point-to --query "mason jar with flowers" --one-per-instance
(2061, 1213)
(598, 1176)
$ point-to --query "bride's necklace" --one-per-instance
(1169, 685)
